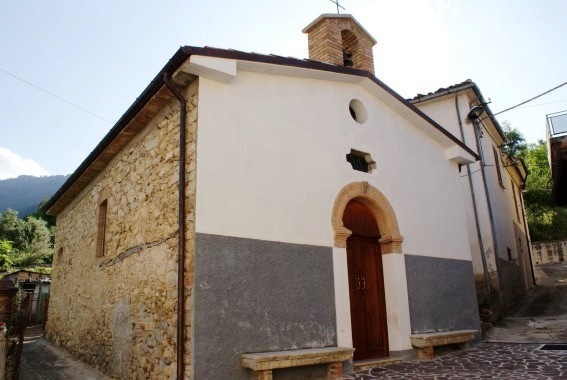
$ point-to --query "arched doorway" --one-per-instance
(366, 282)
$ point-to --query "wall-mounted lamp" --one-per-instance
(475, 113)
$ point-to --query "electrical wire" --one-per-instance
(55, 96)
(464, 175)
(544, 104)
(529, 100)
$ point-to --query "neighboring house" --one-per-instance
(492, 187)
(36, 286)
(557, 153)
(318, 208)
(27, 279)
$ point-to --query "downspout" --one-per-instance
(528, 241)
(488, 203)
(181, 227)
(476, 219)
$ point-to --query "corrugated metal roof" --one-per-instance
(557, 123)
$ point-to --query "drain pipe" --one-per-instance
(476, 221)
(476, 125)
(181, 227)
(528, 240)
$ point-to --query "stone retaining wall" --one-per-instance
(545, 252)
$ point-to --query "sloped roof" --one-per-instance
(468, 84)
(156, 95)
(445, 90)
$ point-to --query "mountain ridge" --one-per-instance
(25, 193)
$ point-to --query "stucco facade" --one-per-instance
(496, 223)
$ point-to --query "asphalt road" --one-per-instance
(542, 315)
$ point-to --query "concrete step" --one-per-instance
(361, 365)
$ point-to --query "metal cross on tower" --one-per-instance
(336, 2)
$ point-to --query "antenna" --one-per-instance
(336, 2)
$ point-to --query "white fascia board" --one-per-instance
(217, 69)
(459, 155)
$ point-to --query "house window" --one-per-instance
(361, 161)
(100, 240)
(515, 200)
(497, 165)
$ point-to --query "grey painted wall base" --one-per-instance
(512, 291)
(441, 294)
(256, 296)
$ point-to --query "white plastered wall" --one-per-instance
(271, 161)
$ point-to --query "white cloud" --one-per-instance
(13, 165)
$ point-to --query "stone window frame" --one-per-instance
(390, 240)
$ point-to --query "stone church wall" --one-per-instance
(118, 312)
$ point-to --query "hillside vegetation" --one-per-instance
(23, 194)
(545, 222)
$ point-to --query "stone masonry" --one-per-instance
(118, 312)
(545, 252)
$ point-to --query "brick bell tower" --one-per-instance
(339, 39)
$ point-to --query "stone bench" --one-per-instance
(424, 343)
(262, 363)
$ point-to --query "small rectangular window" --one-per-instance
(100, 240)
(497, 165)
(515, 200)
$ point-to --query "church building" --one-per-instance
(249, 204)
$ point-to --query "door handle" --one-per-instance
(357, 282)
(363, 283)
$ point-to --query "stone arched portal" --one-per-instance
(394, 273)
(390, 240)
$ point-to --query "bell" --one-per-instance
(347, 57)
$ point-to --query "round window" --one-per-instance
(358, 111)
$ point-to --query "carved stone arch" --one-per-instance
(390, 240)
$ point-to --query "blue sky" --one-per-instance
(100, 55)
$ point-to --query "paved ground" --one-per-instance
(511, 349)
(42, 360)
(490, 361)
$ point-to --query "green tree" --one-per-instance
(6, 250)
(545, 222)
(40, 214)
(31, 240)
(11, 227)
(516, 144)
(538, 183)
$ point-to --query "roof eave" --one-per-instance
(178, 59)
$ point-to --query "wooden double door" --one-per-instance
(366, 283)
